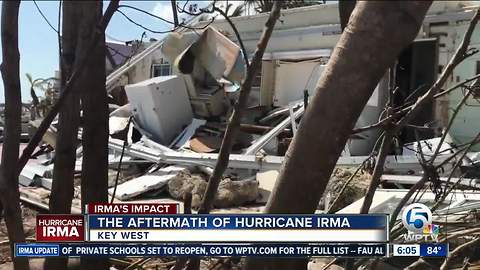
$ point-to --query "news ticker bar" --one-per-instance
(222, 250)
(204, 250)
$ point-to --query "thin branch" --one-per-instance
(418, 185)
(463, 232)
(143, 27)
(404, 108)
(237, 34)
(350, 179)
(344, 187)
(119, 167)
(174, 12)
(456, 86)
(202, 10)
(474, 141)
(45, 18)
(455, 167)
(146, 12)
(379, 124)
(377, 172)
(166, 31)
(330, 263)
(384, 147)
(406, 198)
(452, 119)
(229, 21)
(459, 250)
(457, 58)
(234, 124)
(419, 264)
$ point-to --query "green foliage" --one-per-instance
(42, 104)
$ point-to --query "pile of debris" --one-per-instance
(164, 142)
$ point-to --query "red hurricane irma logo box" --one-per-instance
(60, 228)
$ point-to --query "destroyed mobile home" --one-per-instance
(164, 143)
(165, 140)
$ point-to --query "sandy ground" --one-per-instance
(28, 216)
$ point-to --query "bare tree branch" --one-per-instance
(377, 172)
(420, 184)
(457, 251)
(456, 86)
(237, 34)
(457, 58)
(37, 137)
(234, 124)
(452, 118)
(175, 13)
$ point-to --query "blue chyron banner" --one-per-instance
(237, 222)
(246, 228)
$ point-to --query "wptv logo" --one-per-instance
(417, 219)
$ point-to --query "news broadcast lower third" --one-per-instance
(159, 230)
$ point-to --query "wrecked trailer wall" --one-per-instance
(303, 28)
(145, 69)
(450, 29)
(313, 28)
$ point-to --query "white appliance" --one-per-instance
(161, 106)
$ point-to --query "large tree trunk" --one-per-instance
(10, 68)
(367, 47)
(95, 115)
(68, 121)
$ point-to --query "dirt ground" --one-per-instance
(28, 216)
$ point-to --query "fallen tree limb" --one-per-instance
(457, 252)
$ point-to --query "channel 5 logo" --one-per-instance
(417, 219)
(416, 216)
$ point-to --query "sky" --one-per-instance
(38, 43)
